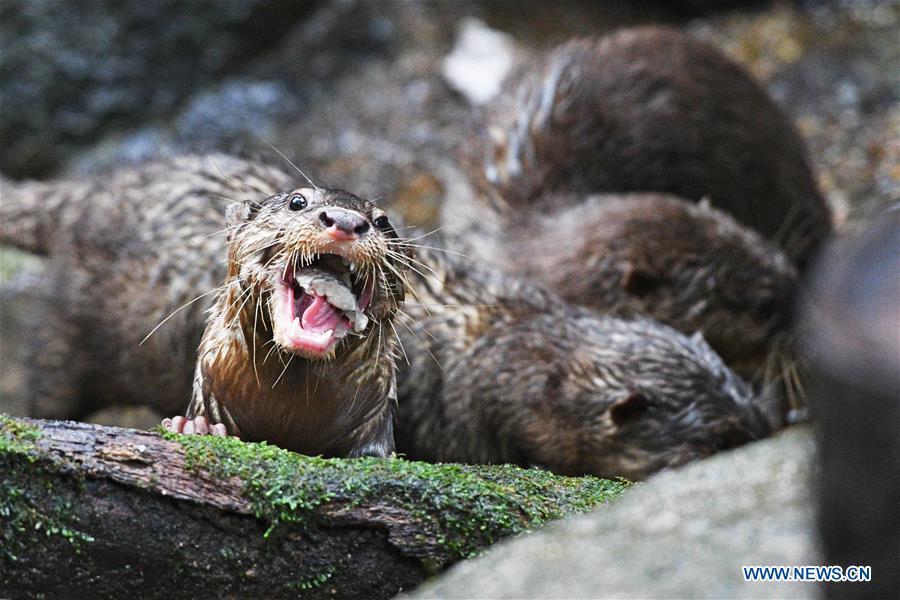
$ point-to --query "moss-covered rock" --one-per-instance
(102, 511)
(24, 510)
(465, 507)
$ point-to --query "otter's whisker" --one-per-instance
(284, 370)
(399, 342)
(256, 311)
(230, 181)
(433, 249)
(274, 349)
(438, 305)
(403, 279)
(427, 349)
(402, 314)
(424, 235)
(174, 312)
(408, 261)
(290, 162)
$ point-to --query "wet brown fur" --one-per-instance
(125, 251)
(502, 370)
(648, 109)
(509, 372)
(689, 266)
(341, 405)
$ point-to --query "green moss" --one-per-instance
(13, 261)
(463, 507)
(29, 505)
(316, 578)
(17, 436)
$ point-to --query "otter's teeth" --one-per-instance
(360, 321)
(337, 289)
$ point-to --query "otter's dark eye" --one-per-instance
(765, 308)
(382, 222)
(298, 202)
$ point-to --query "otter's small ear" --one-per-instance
(235, 214)
(628, 408)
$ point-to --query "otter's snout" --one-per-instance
(343, 224)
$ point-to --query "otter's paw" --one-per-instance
(197, 425)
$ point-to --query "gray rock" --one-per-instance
(71, 71)
(683, 534)
(226, 116)
(236, 110)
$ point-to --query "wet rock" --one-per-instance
(378, 116)
(683, 534)
(353, 95)
(231, 115)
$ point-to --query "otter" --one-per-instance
(308, 294)
(648, 109)
(687, 265)
(314, 275)
(502, 370)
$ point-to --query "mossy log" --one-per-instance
(92, 511)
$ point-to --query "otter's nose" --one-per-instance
(343, 224)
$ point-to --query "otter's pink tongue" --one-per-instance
(320, 316)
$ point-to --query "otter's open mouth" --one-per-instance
(318, 303)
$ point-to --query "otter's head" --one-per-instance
(686, 406)
(586, 394)
(318, 269)
(689, 266)
(741, 292)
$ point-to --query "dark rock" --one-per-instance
(830, 64)
(70, 71)
(234, 111)
(234, 115)
(353, 95)
(852, 338)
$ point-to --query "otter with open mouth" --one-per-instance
(299, 348)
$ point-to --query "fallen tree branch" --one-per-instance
(101, 511)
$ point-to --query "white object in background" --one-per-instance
(480, 60)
